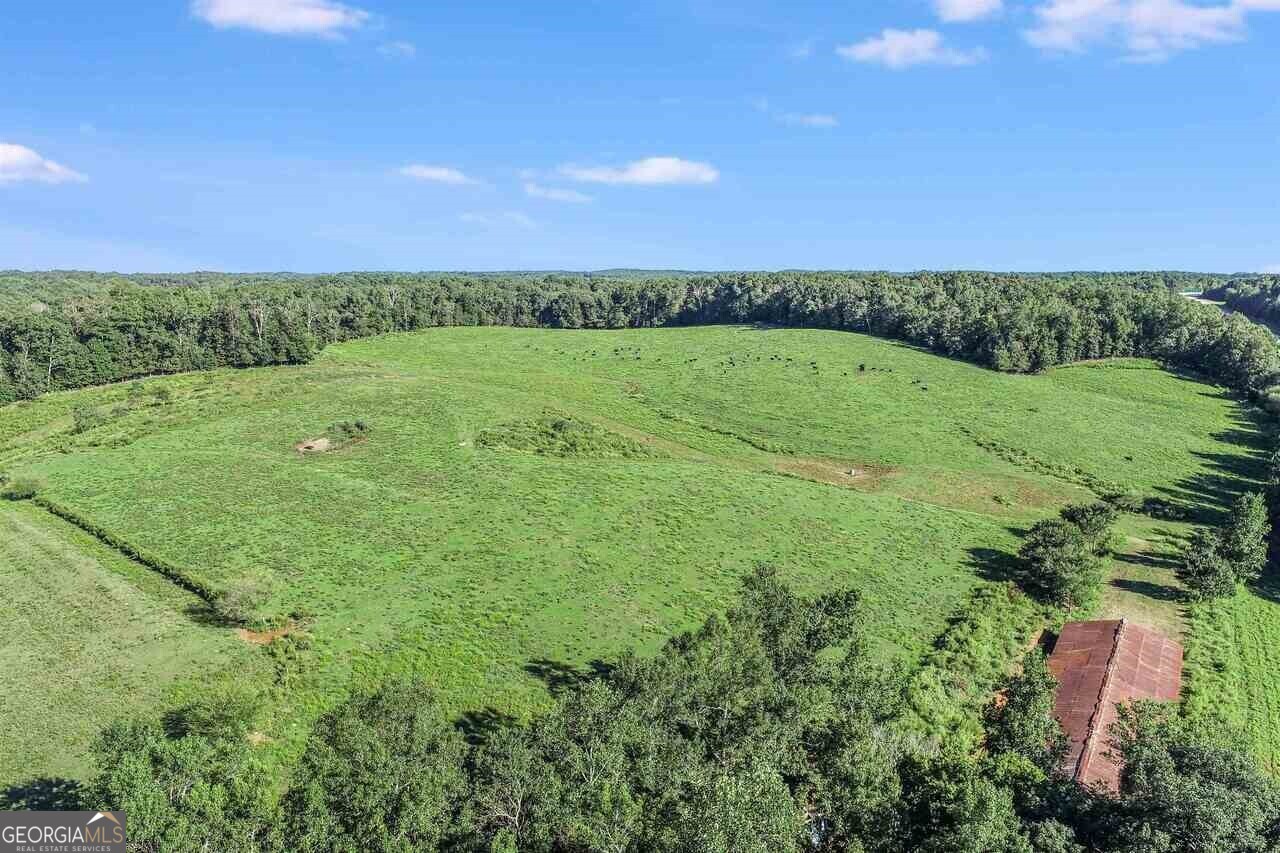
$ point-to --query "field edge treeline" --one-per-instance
(61, 331)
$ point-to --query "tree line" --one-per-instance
(111, 328)
(1254, 296)
(769, 728)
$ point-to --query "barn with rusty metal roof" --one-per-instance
(1099, 664)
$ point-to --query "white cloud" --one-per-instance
(966, 10)
(281, 17)
(651, 170)
(436, 174)
(1149, 30)
(490, 220)
(399, 49)
(555, 193)
(1274, 269)
(19, 163)
(898, 49)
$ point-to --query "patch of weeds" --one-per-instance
(85, 418)
(20, 488)
(346, 432)
(561, 435)
(245, 600)
(288, 654)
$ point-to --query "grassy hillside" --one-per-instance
(526, 502)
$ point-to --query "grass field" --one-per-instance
(87, 634)
(1233, 652)
(527, 501)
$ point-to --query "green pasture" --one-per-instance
(526, 502)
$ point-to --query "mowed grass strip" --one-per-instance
(90, 636)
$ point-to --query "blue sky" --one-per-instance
(310, 135)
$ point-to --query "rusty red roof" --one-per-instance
(1099, 664)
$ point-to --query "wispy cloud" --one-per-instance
(899, 49)
(282, 17)
(1148, 30)
(436, 174)
(763, 105)
(555, 193)
(1273, 269)
(398, 49)
(502, 218)
(954, 11)
(649, 171)
(19, 164)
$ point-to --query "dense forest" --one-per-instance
(68, 330)
(1257, 297)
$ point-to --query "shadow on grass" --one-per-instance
(992, 565)
(561, 677)
(202, 613)
(479, 727)
(1207, 495)
(1267, 587)
(46, 794)
(1149, 589)
(1152, 561)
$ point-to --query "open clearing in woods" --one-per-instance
(529, 501)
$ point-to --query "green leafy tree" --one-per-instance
(381, 772)
(1187, 790)
(1203, 569)
(1021, 719)
(1244, 539)
(1095, 521)
(741, 808)
(949, 807)
(182, 794)
(1060, 565)
(515, 792)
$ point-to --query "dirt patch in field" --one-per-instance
(314, 445)
(265, 638)
(835, 473)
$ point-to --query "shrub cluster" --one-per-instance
(554, 434)
(1216, 561)
(22, 488)
(346, 432)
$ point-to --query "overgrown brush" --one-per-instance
(561, 435)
